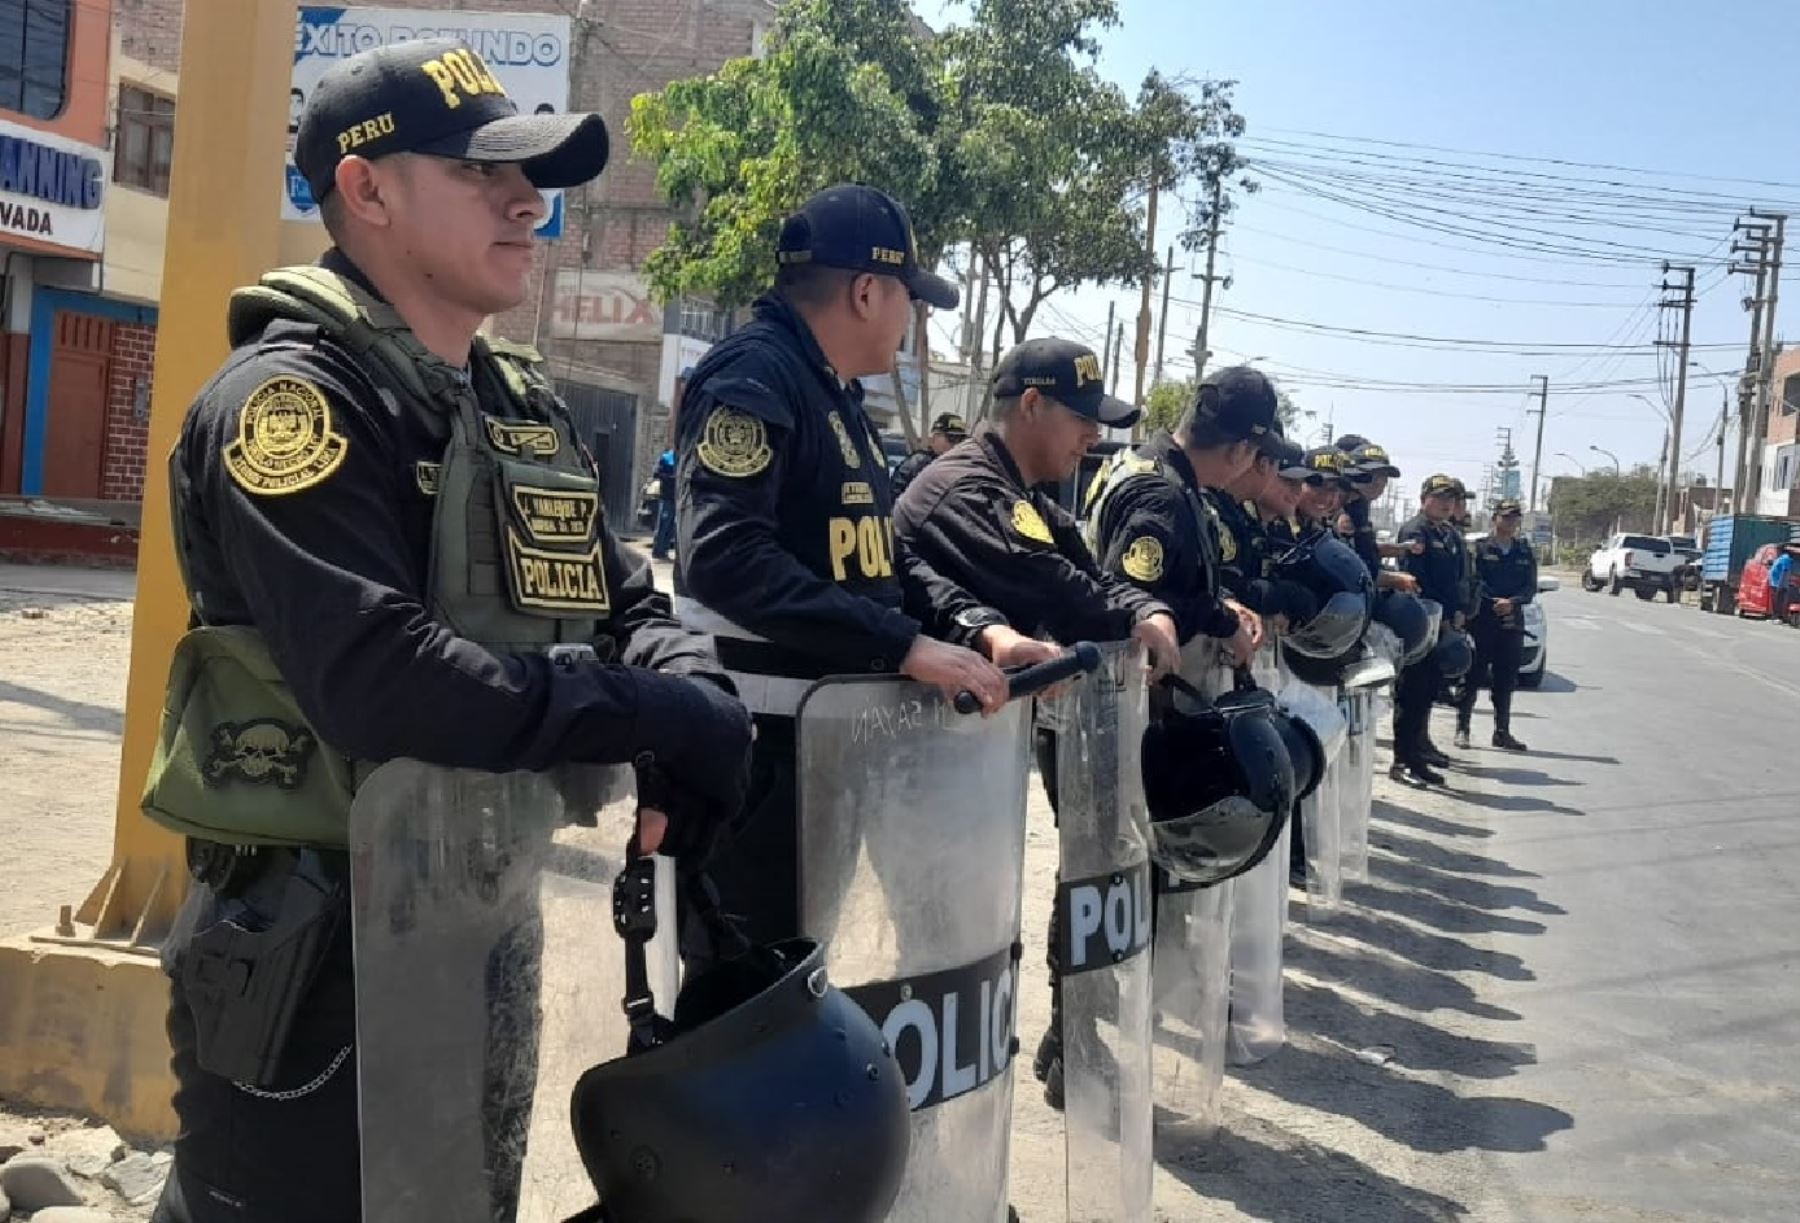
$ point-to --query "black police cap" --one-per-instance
(1371, 460)
(1238, 402)
(1326, 463)
(437, 96)
(950, 425)
(1068, 373)
(1509, 507)
(860, 229)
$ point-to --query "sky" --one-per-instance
(1654, 85)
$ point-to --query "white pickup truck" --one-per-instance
(1643, 563)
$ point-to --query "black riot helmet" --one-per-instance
(1220, 778)
(1337, 578)
(772, 1096)
(1454, 654)
(1408, 617)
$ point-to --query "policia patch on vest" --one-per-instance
(1029, 523)
(736, 444)
(1143, 560)
(284, 443)
(553, 580)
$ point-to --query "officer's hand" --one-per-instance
(1405, 583)
(951, 669)
(1161, 640)
(1503, 607)
(1008, 647)
(652, 826)
(1416, 547)
(695, 730)
(1248, 621)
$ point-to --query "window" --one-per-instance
(1784, 468)
(34, 56)
(704, 321)
(1645, 543)
(1790, 394)
(146, 142)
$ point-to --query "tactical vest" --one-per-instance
(516, 565)
(1125, 466)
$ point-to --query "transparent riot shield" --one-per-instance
(1258, 926)
(1361, 689)
(1321, 812)
(912, 843)
(1104, 903)
(488, 978)
(1191, 967)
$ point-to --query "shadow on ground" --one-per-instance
(1273, 1174)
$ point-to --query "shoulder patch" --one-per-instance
(1029, 523)
(1143, 560)
(1228, 547)
(848, 447)
(735, 444)
(284, 439)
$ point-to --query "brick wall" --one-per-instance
(133, 350)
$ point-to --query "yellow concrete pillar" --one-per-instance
(81, 1005)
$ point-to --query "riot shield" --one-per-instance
(1361, 692)
(1259, 905)
(1191, 967)
(488, 978)
(1104, 906)
(1321, 812)
(912, 842)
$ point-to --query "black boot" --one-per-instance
(1503, 738)
(1415, 770)
(1429, 754)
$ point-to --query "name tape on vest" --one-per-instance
(556, 515)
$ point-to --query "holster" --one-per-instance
(253, 958)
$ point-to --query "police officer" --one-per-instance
(947, 430)
(393, 546)
(1151, 522)
(785, 547)
(1323, 498)
(1245, 546)
(1507, 569)
(1374, 469)
(978, 515)
(1436, 557)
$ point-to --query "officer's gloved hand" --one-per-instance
(699, 732)
(692, 823)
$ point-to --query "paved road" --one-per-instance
(1614, 925)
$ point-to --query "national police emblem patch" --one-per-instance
(284, 439)
(1143, 560)
(734, 444)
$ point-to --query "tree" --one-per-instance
(848, 92)
(1589, 508)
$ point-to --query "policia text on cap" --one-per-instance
(393, 546)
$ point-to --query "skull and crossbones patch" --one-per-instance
(263, 751)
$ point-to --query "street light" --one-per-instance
(1563, 454)
(1617, 470)
(1660, 410)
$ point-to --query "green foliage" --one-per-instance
(1000, 134)
(1166, 401)
(1586, 509)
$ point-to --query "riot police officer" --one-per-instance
(1435, 556)
(1323, 498)
(977, 516)
(1150, 522)
(947, 430)
(1374, 469)
(1245, 545)
(393, 546)
(1507, 570)
(785, 547)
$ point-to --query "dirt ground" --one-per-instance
(1378, 1111)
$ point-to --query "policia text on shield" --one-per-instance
(392, 544)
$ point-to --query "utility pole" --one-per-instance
(1683, 289)
(1106, 348)
(1118, 343)
(1759, 235)
(1142, 350)
(977, 349)
(1657, 515)
(1206, 289)
(1718, 506)
(1766, 352)
(1162, 324)
(1537, 453)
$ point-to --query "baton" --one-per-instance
(1080, 659)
